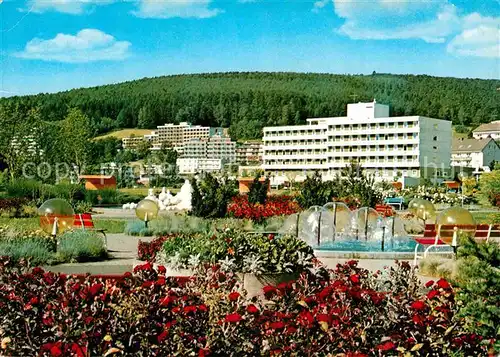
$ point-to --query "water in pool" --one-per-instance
(396, 245)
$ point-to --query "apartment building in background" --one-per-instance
(487, 130)
(214, 147)
(477, 154)
(132, 142)
(194, 166)
(407, 147)
(249, 152)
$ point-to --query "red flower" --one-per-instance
(324, 318)
(161, 281)
(189, 309)
(95, 288)
(417, 319)
(55, 350)
(290, 330)
(432, 294)
(277, 325)
(252, 309)
(202, 307)
(34, 300)
(147, 284)
(162, 269)
(167, 301)
(234, 296)
(233, 318)
(443, 284)
(354, 278)
(418, 305)
(269, 291)
(162, 336)
(429, 283)
(79, 351)
(386, 346)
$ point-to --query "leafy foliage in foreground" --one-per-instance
(346, 311)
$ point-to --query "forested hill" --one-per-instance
(246, 102)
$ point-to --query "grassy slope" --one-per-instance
(124, 133)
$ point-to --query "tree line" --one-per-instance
(246, 102)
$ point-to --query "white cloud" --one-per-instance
(387, 20)
(320, 4)
(164, 9)
(481, 41)
(88, 45)
(435, 21)
(73, 7)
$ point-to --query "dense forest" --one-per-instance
(246, 102)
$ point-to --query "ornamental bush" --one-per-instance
(258, 190)
(211, 195)
(343, 312)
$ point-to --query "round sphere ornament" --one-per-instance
(414, 205)
(425, 210)
(147, 210)
(56, 216)
(455, 219)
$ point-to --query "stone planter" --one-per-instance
(253, 284)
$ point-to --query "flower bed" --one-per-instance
(274, 206)
(347, 312)
(237, 251)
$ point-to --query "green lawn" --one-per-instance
(29, 224)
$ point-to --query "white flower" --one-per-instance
(194, 260)
(253, 264)
(227, 264)
(175, 261)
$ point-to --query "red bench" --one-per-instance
(431, 237)
(385, 210)
(84, 221)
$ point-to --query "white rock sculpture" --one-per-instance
(168, 202)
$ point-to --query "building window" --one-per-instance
(435, 138)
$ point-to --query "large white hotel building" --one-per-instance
(387, 147)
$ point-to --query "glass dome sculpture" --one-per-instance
(316, 226)
(455, 220)
(366, 220)
(56, 216)
(342, 216)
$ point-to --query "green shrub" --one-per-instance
(36, 251)
(138, 228)
(83, 207)
(315, 192)
(258, 190)
(478, 283)
(210, 196)
(489, 185)
(80, 246)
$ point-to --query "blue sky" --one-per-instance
(52, 45)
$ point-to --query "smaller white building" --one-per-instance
(193, 165)
(474, 153)
(488, 130)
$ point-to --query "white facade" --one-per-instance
(475, 153)
(192, 166)
(387, 147)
